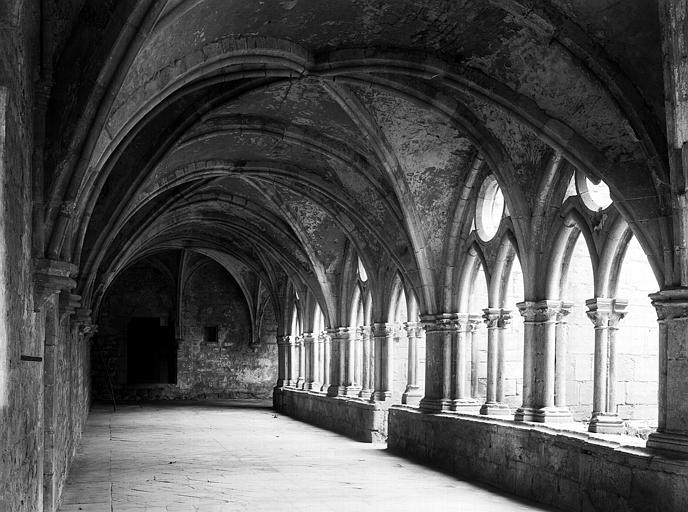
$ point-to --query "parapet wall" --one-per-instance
(353, 417)
(571, 471)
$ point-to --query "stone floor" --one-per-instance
(240, 455)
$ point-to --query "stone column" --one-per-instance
(317, 361)
(283, 361)
(496, 320)
(438, 345)
(672, 427)
(326, 362)
(349, 387)
(474, 322)
(412, 394)
(335, 362)
(310, 345)
(616, 316)
(461, 371)
(539, 338)
(604, 418)
(301, 349)
(561, 343)
(293, 361)
(366, 373)
(383, 333)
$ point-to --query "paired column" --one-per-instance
(335, 360)
(301, 365)
(412, 394)
(561, 349)
(326, 361)
(366, 364)
(497, 321)
(438, 361)
(672, 428)
(462, 362)
(347, 340)
(474, 322)
(312, 379)
(539, 356)
(605, 315)
(384, 346)
(283, 361)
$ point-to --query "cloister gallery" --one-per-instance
(454, 227)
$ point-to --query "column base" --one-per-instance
(324, 388)
(544, 415)
(666, 442)
(333, 390)
(299, 384)
(351, 390)
(381, 396)
(606, 424)
(468, 405)
(365, 394)
(412, 395)
(431, 405)
(313, 386)
(495, 409)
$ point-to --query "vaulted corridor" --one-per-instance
(239, 455)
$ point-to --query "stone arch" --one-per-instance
(572, 225)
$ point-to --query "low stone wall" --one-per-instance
(568, 470)
(355, 418)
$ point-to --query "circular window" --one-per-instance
(489, 210)
(596, 197)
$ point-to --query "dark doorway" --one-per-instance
(151, 352)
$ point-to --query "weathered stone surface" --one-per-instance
(570, 471)
(365, 421)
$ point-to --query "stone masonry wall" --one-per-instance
(570, 471)
(230, 368)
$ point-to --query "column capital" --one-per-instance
(564, 310)
(413, 328)
(474, 321)
(284, 339)
(440, 323)
(496, 317)
(49, 278)
(342, 332)
(671, 303)
(604, 312)
(382, 329)
(541, 311)
(308, 338)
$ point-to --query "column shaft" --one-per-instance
(366, 390)
(412, 393)
(603, 312)
(438, 341)
(496, 320)
(383, 361)
(539, 343)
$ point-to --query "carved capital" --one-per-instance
(83, 322)
(413, 329)
(564, 311)
(542, 311)
(382, 329)
(601, 310)
(51, 277)
(671, 304)
(444, 322)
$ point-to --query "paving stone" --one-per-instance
(219, 456)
